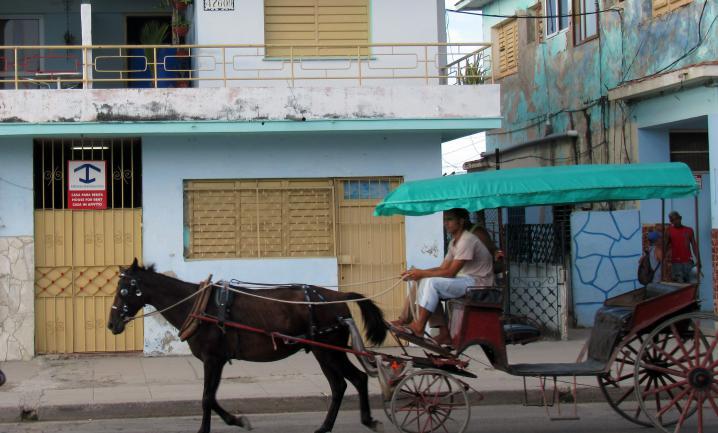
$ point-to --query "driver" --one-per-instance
(467, 263)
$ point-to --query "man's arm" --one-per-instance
(694, 247)
(448, 269)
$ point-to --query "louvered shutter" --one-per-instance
(259, 218)
(508, 48)
(317, 22)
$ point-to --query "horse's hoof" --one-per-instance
(243, 422)
(376, 426)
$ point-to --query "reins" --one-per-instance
(269, 286)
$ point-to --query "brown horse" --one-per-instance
(139, 286)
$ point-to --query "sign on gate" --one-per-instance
(86, 186)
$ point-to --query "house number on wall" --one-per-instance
(219, 5)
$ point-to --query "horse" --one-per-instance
(139, 286)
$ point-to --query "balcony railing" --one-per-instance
(135, 66)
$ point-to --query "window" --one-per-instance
(661, 7)
(558, 13)
(585, 26)
(259, 218)
(690, 148)
(507, 33)
(316, 22)
(19, 31)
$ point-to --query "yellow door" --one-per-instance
(78, 252)
(370, 248)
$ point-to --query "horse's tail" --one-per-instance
(374, 325)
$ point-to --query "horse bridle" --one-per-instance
(124, 293)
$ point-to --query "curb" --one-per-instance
(255, 405)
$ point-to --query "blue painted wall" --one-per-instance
(605, 249)
(16, 207)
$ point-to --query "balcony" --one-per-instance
(164, 66)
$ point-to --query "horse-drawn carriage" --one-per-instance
(654, 354)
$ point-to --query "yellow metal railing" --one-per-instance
(119, 66)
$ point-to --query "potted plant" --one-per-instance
(181, 5)
(180, 26)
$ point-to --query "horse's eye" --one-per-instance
(123, 292)
(138, 293)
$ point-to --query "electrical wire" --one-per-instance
(15, 184)
(481, 14)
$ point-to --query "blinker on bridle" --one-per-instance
(124, 292)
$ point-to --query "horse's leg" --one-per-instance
(360, 381)
(213, 370)
(337, 384)
(212, 376)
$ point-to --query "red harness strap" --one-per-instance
(283, 336)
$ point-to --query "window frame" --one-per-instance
(579, 20)
(559, 30)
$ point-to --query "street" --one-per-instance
(595, 418)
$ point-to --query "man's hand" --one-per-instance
(410, 275)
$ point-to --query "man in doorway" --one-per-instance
(681, 241)
(467, 263)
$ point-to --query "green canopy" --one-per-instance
(540, 186)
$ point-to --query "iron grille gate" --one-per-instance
(537, 277)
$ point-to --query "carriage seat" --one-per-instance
(517, 329)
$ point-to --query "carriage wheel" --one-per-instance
(618, 384)
(430, 400)
(680, 356)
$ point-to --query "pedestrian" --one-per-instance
(683, 248)
(650, 269)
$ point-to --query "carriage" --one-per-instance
(654, 354)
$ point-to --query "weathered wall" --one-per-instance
(167, 161)
(248, 104)
(17, 320)
(567, 84)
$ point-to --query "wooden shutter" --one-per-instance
(508, 33)
(259, 218)
(317, 22)
(661, 7)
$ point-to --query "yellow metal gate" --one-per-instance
(370, 248)
(78, 252)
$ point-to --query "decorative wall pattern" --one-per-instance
(17, 263)
(606, 247)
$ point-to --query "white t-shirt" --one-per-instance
(479, 264)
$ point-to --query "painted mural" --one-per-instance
(605, 248)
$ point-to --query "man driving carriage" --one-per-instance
(467, 263)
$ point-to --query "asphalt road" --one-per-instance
(595, 418)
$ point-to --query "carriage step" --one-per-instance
(586, 368)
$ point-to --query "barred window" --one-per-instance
(259, 218)
(690, 148)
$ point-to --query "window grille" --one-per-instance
(259, 218)
(316, 22)
(690, 148)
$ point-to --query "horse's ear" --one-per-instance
(134, 265)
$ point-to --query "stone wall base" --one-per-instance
(17, 299)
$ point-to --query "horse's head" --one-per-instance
(129, 297)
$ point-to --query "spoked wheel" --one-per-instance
(430, 401)
(680, 356)
(618, 384)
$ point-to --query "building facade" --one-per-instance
(613, 81)
(246, 140)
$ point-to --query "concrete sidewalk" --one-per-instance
(87, 387)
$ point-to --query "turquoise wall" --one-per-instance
(568, 84)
